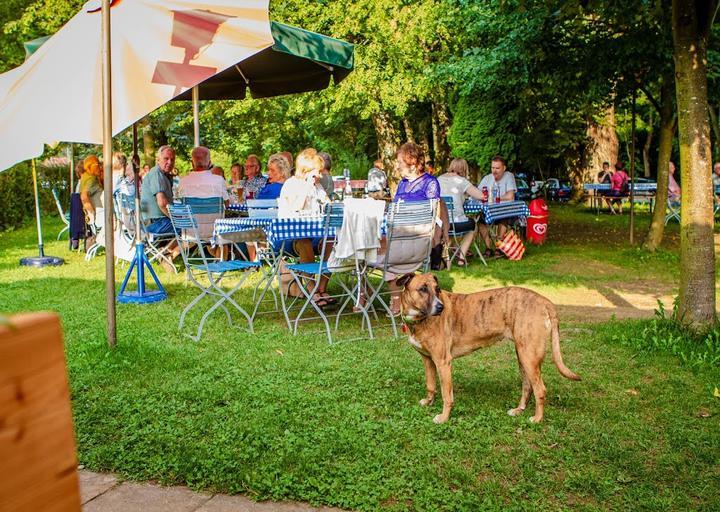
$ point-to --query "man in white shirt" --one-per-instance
(202, 183)
(500, 186)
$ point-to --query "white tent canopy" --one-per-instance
(160, 48)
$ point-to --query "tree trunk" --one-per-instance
(409, 130)
(691, 26)
(148, 139)
(388, 137)
(667, 130)
(716, 130)
(425, 133)
(646, 147)
(440, 126)
(602, 146)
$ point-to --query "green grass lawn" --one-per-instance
(280, 417)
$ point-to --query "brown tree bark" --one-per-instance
(148, 139)
(691, 22)
(602, 146)
(667, 131)
(440, 126)
(646, 147)
(409, 130)
(388, 138)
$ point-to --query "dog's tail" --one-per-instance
(556, 355)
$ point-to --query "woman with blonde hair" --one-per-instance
(454, 183)
(119, 166)
(302, 195)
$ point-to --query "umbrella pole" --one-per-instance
(40, 260)
(196, 115)
(107, 164)
(140, 262)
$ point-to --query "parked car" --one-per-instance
(557, 190)
(523, 190)
(536, 186)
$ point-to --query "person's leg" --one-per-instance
(484, 233)
(394, 297)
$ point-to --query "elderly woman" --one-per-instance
(278, 174)
(416, 184)
(119, 164)
(302, 195)
(454, 183)
(91, 190)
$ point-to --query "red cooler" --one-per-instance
(537, 222)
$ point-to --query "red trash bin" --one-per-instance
(537, 222)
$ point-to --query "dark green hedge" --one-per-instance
(17, 204)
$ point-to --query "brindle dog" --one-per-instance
(443, 326)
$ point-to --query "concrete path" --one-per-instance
(101, 492)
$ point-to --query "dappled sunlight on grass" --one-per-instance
(277, 416)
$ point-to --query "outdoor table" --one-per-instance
(493, 212)
(276, 230)
(641, 191)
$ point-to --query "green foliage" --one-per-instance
(16, 196)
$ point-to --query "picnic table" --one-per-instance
(493, 212)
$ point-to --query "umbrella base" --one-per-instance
(41, 261)
(141, 298)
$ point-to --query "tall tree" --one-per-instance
(691, 22)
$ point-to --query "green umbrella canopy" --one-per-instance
(299, 61)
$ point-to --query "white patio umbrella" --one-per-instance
(157, 49)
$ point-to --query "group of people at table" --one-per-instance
(300, 190)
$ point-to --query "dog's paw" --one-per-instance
(426, 401)
(439, 419)
(535, 419)
(515, 412)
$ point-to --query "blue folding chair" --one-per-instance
(410, 228)
(673, 211)
(457, 234)
(200, 268)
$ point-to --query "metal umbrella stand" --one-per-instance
(140, 262)
(40, 260)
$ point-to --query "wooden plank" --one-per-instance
(38, 462)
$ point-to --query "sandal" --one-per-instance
(361, 304)
(461, 262)
(320, 301)
(327, 298)
(499, 253)
(488, 253)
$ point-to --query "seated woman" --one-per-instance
(618, 187)
(278, 174)
(454, 183)
(91, 191)
(302, 195)
(416, 185)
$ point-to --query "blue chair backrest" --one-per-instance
(204, 205)
(408, 213)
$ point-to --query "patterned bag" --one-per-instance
(511, 246)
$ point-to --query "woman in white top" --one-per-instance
(454, 183)
(302, 195)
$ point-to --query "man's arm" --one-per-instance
(162, 202)
(508, 196)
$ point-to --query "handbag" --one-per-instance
(511, 246)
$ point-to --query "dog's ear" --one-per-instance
(436, 280)
(404, 280)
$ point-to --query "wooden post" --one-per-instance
(107, 165)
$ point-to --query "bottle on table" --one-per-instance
(348, 188)
(485, 195)
(496, 193)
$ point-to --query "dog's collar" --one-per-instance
(408, 322)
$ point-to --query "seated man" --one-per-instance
(500, 185)
(202, 182)
(619, 187)
(155, 196)
(377, 182)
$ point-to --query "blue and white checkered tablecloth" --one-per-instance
(494, 212)
(238, 207)
(276, 230)
(638, 187)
